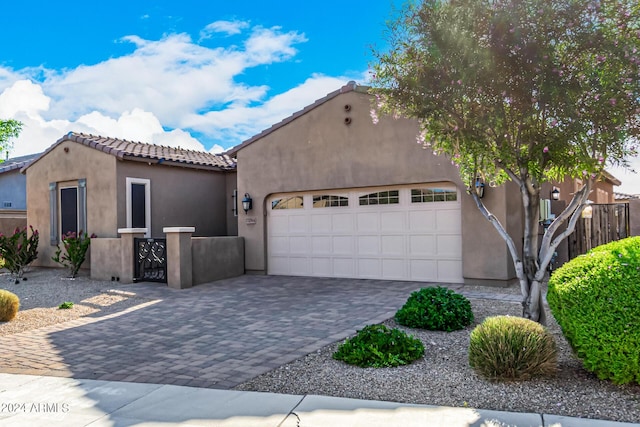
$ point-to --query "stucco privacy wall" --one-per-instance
(318, 151)
(60, 166)
(12, 219)
(216, 258)
(180, 197)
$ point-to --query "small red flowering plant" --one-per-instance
(75, 251)
(19, 250)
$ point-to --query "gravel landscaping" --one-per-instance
(45, 289)
(441, 377)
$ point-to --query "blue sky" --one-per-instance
(201, 75)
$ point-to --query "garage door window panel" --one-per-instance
(427, 195)
(390, 197)
(330, 201)
(295, 202)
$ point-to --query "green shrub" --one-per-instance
(378, 346)
(19, 250)
(65, 305)
(9, 305)
(595, 299)
(438, 309)
(512, 348)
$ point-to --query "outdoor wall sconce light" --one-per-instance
(587, 212)
(555, 194)
(479, 187)
(247, 203)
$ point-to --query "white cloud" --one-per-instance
(23, 96)
(240, 122)
(217, 149)
(268, 45)
(160, 92)
(225, 27)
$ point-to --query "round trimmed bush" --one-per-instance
(438, 309)
(512, 348)
(378, 346)
(595, 298)
(9, 305)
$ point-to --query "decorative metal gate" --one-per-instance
(150, 260)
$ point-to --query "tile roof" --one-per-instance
(624, 196)
(349, 87)
(17, 162)
(140, 151)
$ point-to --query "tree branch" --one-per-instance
(573, 210)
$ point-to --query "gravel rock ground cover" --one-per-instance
(443, 377)
(45, 289)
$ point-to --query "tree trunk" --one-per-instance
(536, 256)
(532, 303)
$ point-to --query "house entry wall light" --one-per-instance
(555, 194)
(247, 203)
(479, 187)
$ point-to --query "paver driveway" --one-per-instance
(215, 335)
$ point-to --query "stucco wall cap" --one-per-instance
(132, 230)
(179, 230)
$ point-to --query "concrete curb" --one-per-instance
(27, 400)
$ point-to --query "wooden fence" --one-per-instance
(609, 222)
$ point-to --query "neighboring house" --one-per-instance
(625, 198)
(601, 193)
(13, 185)
(13, 193)
(99, 185)
(336, 195)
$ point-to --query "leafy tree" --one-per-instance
(530, 91)
(8, 129)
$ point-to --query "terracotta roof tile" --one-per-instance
(624, 196)
(17, 162)
(140, 151)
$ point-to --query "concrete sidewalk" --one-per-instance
(27, 400)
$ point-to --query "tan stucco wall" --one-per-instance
(10, 220)
(180, 197)
(216, 258)
(79, 162)
(318, 151)
(485, 255)
(105, 262)
(232, 220)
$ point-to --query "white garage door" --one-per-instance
(408, 233)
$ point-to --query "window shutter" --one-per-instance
(53, 214)
(82, 205)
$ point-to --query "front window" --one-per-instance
(68, 210)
